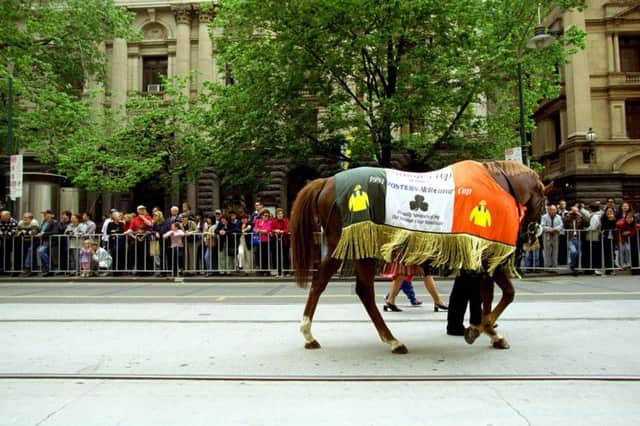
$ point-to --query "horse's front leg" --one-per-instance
(365, 274)
(489, 316)
(321, 277)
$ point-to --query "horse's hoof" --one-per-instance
(400, 350)
(312, 345)
(501, 344)
(471, 334)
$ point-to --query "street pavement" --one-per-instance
(229, 352)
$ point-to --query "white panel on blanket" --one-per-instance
(420, 201)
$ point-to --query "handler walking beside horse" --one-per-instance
(463, 217)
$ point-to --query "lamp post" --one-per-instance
(540, 40)
(590, 137)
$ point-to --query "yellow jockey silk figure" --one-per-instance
(480, 215)
(359, 200)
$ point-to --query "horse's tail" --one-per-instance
(303, 223)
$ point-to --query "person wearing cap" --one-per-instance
(48, 228)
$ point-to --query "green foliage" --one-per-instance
(54, 47)
(366, 69)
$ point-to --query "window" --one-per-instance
(632, 109)
(154, 70)
(630, 53)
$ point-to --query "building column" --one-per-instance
(205, 49)
(578, 84)
(119, 75)
(183, 42)
(617, 119)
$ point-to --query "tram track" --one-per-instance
(628, 378)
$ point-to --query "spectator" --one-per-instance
(609, 238)
(573, 225)
(8, 227)
(627, 230)
(591, 259)
(262, 227)
(105, 225)
(190, 242)
(48, 228)
(562, 240)
(176, 235)
(26, 230)
(244, 249)
(141, 226)
(75, 234)
(90, 225)
(225, 246)
(257, 213)
(117, 241)
(280, 247)
(234, 237)
(551, 229)
(186, 211)
(211, 252)
(60, 244)
(101, 259)
(623, 210)
(156, 248)
(85, 258)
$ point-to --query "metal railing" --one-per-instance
(583, 251)
(203, 254)
(144, 254)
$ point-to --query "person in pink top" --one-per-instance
(262, 226)
(176, 236)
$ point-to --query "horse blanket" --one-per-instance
(454, 218)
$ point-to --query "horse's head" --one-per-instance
(534, 205)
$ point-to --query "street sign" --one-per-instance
(15, 177)
(514, 154)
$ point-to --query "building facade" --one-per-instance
(600, 91)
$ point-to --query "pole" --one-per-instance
(523, 139)
(9, 117)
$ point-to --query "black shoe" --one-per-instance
(438, 306)
(455, 331)
(391, 307)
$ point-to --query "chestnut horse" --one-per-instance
(315, 206)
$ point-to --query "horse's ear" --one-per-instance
(548, 188)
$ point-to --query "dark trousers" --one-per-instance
(466, 290)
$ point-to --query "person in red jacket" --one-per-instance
(627, 229)
(280, 248)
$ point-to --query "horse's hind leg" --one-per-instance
(489, 317)
(365, 274)
(327, 268)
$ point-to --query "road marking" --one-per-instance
(220, 298)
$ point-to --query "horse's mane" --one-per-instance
(510, 168)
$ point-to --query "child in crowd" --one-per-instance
(85, 258)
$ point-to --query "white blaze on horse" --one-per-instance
(464, 217)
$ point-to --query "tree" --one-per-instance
(310, 76)
(55, 48)
(159, 138)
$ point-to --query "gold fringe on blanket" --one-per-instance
(446, 252)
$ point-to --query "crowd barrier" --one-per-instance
(144, 254)
(268, 255)
(582, 251)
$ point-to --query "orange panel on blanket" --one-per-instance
(482, 208)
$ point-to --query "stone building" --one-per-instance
(600, 91)
(175, 41)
